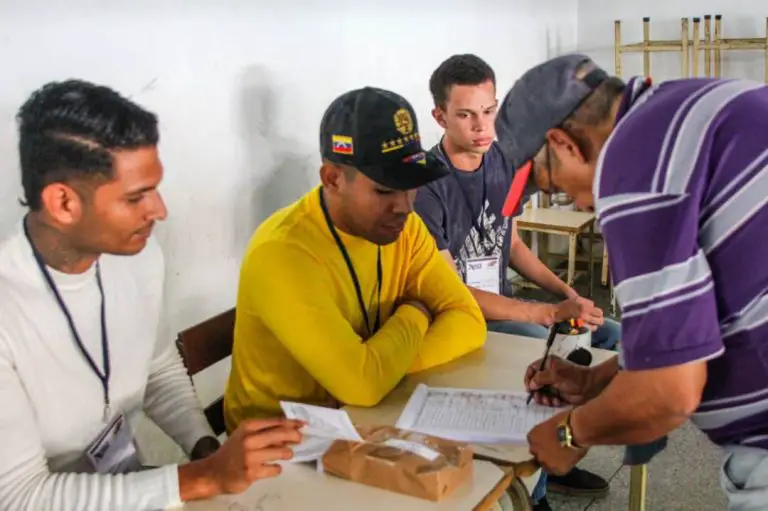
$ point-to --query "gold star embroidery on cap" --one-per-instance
(394, 145)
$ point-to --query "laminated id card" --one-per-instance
(113, 450)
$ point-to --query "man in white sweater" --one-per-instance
(80, 295)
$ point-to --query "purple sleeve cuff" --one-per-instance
(652, 360)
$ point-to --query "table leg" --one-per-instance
(571, 258)
(638, 482)
(542, 244)
(591, 268)
(604, 269)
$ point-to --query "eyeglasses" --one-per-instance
(551, 190)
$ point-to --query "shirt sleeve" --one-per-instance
(459, 326)
(26, 484)
(170, 399)
(662, 277)
(286, 282)
(430, 208)
(663, 282)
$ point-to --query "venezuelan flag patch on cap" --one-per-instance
(420, 158)
(342, 144)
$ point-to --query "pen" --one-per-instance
(550, 340)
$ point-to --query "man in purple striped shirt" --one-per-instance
(678, 175)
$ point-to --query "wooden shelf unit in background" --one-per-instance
(689, 46)
(712, 45)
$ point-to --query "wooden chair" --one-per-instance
(203, 345)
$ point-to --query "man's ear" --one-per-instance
(62, 202)
(439, 115)
(331, 176)
(565, 145)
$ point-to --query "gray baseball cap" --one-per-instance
(540, 100)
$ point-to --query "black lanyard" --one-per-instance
(103, 377)
(480, 232)
(351, 268)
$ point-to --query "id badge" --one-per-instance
(113, 450)
(483, 273)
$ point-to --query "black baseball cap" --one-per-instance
(376, 132)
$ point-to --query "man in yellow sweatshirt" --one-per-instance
(344, 292)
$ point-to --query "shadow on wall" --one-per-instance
(278, 168)
(10, 175)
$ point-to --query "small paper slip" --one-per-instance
(466, 415)
(324, 425)
(414, 447)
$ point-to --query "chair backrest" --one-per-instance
(203, 345)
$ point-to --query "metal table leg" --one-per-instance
(604, 269)
(638, 482)
(591, 268)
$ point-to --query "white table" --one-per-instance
(302, 488)
(500, 364)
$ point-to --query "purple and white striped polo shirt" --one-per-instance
(681, 192)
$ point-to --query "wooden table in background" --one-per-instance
(564, 223)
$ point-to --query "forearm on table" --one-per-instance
(362, 376)
(452, 334)
(197, 482)
(630, 411)
(502, 308)
(526, 263)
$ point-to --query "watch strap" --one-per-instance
(567, 439)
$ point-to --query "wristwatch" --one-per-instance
(565, 432)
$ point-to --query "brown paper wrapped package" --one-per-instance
(390, 468)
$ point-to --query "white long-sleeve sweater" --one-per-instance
(51, 402)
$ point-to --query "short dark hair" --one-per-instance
(594, 111)
(68, 130)
(596, 108)
(465, 69)
(350, 172)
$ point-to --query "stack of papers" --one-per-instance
(466, 415)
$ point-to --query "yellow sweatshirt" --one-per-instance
(299, 332)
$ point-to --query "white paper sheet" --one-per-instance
(311, 448)
(324, 425)
(481, 416)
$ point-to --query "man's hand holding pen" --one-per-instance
(545, 392)
(559, 383)
(553, 381)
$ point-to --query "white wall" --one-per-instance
(741, 18)
(240, 87)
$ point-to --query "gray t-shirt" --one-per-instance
(463, 211)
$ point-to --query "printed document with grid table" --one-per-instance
(479, 416)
